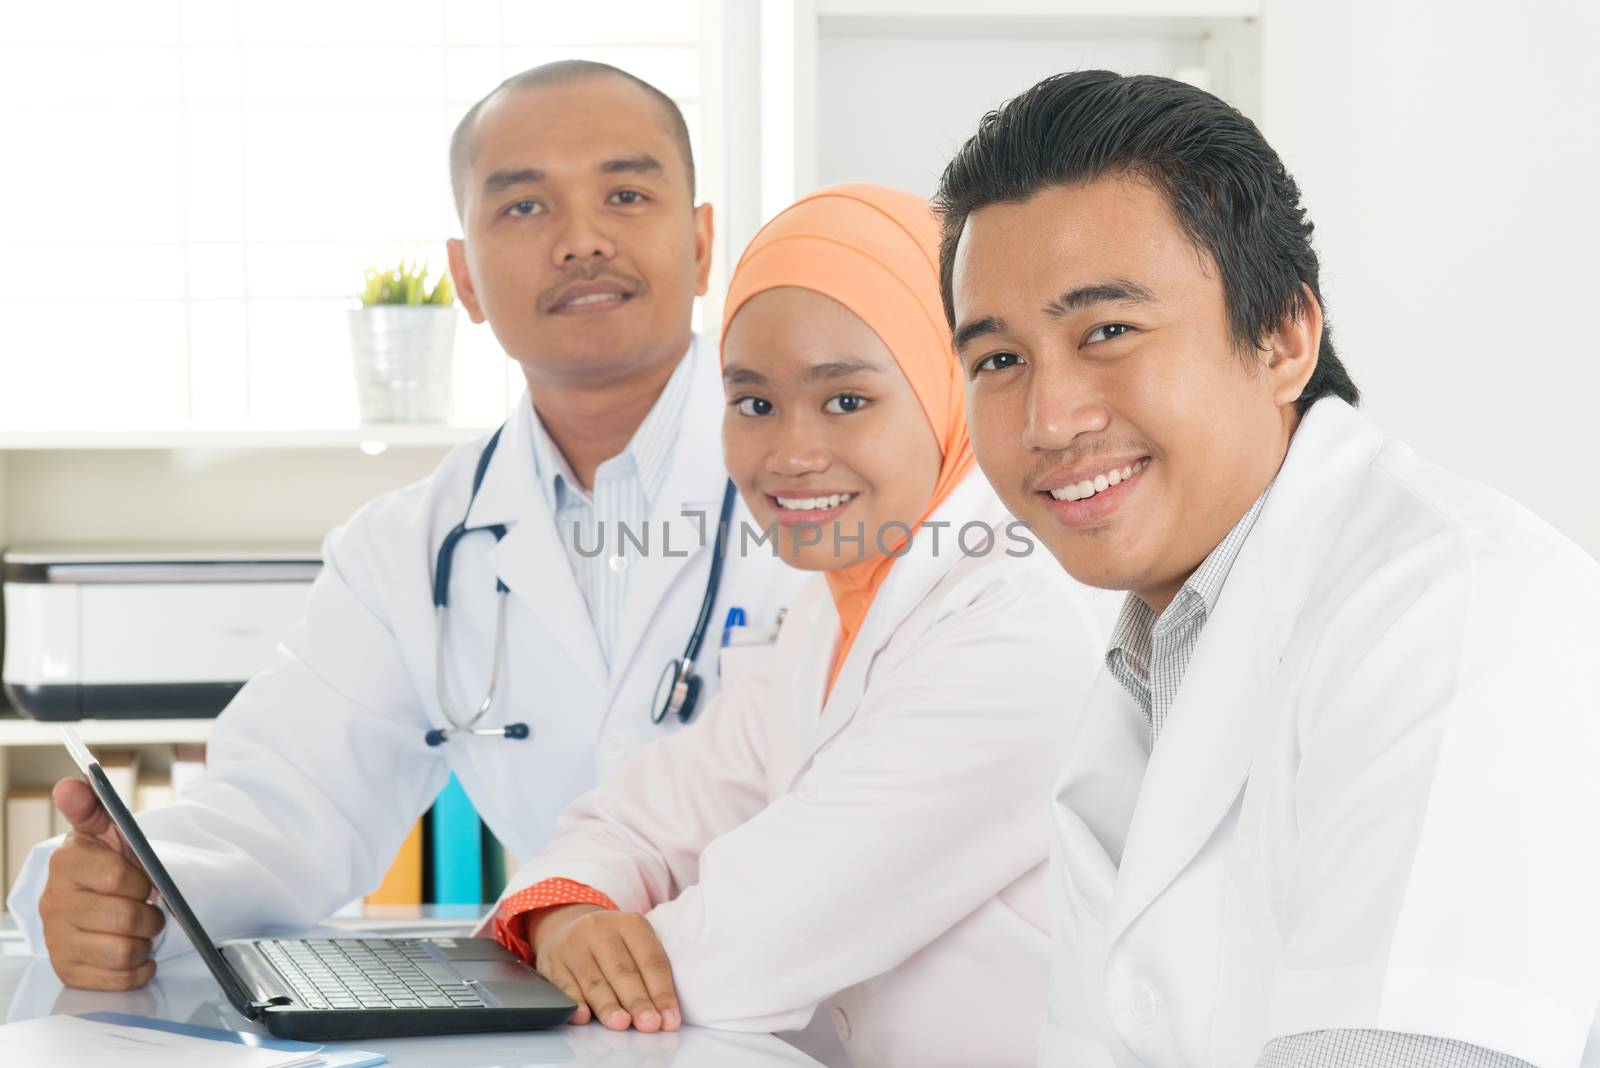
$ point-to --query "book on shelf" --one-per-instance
(154, 788)
(28, 821)
(456, 847)
(403, 883)
(188, 761)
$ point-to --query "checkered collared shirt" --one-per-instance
(1149, 656)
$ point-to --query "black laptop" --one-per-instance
(346, 988)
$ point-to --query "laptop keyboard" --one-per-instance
(367, 973)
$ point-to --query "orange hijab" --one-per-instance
(876, 251)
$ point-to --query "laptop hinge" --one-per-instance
(265, 987)
(262, 1004)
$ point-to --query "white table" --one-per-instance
(184, 990)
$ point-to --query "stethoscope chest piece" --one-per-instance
(676, 691)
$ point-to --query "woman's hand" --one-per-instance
(610, 963)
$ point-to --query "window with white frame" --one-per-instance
(191, 190)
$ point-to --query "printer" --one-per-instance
(107, 633)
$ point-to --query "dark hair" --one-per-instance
(1226, 186)
(560, 72)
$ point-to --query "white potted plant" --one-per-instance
(401, 338)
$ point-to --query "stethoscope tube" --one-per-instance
(682, 684)
(719, 553)
(678, 689)
(441, 595)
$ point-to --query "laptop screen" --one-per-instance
(237, 993)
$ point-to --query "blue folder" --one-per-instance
(330, 1056)
(457, 848)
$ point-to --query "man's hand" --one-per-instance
(96, 911)
(610, 963)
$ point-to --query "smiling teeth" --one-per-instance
(1079, 491)
(593, 298)
(812, 504)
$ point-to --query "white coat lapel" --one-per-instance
(910, 579)
(1202, 759)
(694, 485)
(1098, 788)
(1203, 755)
(531, 559)
(804, 650)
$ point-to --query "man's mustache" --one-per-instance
(591, 273)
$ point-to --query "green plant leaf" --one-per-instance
(405, 283)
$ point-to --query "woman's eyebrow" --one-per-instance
(734, 375)
(822, 372)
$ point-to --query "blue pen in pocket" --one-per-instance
(735, 618)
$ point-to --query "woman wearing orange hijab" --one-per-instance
(858, 819)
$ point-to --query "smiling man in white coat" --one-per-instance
(584, 250)
(1332, 800)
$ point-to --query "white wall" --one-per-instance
(148, 496)
(1447, 150)
(893, 109)
(1448, 154)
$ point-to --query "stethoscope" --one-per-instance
(676, 691)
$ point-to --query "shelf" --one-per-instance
(369, 437)
(18, 731)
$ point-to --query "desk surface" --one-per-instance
(184, 991)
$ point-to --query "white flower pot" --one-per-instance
(402, 362)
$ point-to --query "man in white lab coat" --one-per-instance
(584, 250)
(1333, 799)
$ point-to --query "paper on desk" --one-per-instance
(50, 1041)
(320, 1056)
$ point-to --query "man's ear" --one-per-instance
(1291, 351)
(461, 276)
(704, 230)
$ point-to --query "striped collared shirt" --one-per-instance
(591, 523)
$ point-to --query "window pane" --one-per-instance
(341, 74)
(60, 273)
(92, 23)
(343, 173)
(92, 174)
(630, 21)
(343, 22)
(199, 185)
(99, 365)
(219, 385)
(63, 75)
(300, 370)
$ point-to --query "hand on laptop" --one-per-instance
(611, 964)
(96, 910)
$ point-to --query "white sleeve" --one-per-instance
(1438, 869)
(637, 838)
(928, 804)
(314, 773)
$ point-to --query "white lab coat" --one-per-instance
(883, 850)
(1374, 803)
(318, 768)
